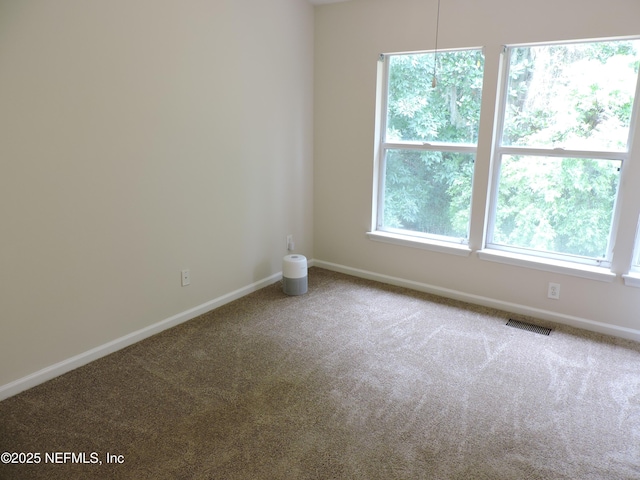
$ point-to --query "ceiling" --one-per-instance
(322, 2)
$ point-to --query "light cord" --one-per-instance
(435, 57)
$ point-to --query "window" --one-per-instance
(428, 138)
(563, 136)
(561, 139)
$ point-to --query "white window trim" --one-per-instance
(378, 232)
(563, 267)
(516, 255)
(632, 279)
(504, 256)
(460, 249)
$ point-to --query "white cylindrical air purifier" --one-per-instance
(294, 274)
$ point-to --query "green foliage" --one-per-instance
(450, 112)
(576, 96)
(562, 205)
(430, 191)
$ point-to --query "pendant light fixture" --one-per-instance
(435, 56)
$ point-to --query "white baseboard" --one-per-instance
(84, 358)
(578, 322)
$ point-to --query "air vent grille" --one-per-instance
(530, 327)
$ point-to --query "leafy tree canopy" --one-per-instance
(575, 96)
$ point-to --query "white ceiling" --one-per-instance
(322, 2)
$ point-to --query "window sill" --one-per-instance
(632, 279)
(425, 244)
(548, 265)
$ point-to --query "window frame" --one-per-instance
(499, 151)
(632, 277)
(431, 241)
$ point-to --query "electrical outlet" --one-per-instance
(186, 277)
(290, 242)
(554, 291)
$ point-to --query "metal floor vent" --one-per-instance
(529, 327)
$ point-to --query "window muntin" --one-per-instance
(563, 134)
(428, 143)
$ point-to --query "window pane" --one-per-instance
(562, 205)
(428, 192)
(575, 96)
(450, 112)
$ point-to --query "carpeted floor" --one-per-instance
(354, 380)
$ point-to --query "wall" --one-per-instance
(138, 138)
(349, 38)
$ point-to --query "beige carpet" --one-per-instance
(354, 380)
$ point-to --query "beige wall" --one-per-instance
(138, 138)
(349, 38)
(141, 137)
